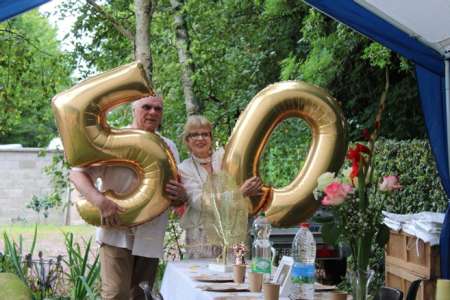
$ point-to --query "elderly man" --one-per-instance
(128, 256)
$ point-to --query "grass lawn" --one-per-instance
(50, 238)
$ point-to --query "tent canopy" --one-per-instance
(9, 9)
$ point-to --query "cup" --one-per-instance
(239, 273)
(255, 282)
(442, 289)
(271, 291)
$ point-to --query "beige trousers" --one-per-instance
(121, 272)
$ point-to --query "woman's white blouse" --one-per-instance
(193, 181)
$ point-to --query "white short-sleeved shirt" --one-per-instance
(143, 240)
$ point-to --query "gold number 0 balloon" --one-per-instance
(88, 140)
(294, 203)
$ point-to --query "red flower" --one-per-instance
(180, 210)
(355, 170)
(354, 154)
(362, 148)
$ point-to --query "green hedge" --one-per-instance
(414, 163)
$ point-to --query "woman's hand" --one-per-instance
(251, 187)
(176, 192)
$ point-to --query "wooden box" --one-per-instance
(401, 279)
(413, 255)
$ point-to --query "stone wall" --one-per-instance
(21, 177)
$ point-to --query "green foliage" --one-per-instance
(32, 70)
(414, 163)
(12, 260)
(44, 277)
(351, 67)
(285, 152)
(83, 275)
(43, 204)
(58, 171)
(377, 55)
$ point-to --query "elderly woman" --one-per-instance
(194, 172)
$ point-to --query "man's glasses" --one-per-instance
(199, 135)
(149, 107)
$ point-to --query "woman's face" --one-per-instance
(199, 142)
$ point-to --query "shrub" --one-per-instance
(414, 163)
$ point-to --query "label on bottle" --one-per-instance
(303, 273)
(302, 277)
(261, 265)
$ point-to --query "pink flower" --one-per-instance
(336, 193)
(390, 183)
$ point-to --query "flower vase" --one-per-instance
(360, 281)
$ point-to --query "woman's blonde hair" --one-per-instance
(195, 122)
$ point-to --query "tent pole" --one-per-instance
(447, 101)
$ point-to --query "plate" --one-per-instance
(210, 278)
(224, 287)
(318, 287)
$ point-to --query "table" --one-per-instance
(178, 284)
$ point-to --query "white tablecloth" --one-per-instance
(177, 283)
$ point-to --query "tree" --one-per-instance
(32, 71)
(184, 57)
(353, 69)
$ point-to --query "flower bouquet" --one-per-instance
(356, 221)
(239, 251)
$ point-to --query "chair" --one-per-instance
(388, 293)
(413, 288)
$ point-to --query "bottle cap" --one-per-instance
(262, 214)
(304, 225)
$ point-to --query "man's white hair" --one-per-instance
(135, 103)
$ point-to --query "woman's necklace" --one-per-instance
(203, 162)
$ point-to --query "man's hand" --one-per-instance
(251, 187)
(176, 192)
(109, 210)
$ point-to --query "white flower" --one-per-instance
(324, 180)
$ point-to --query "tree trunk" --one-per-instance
(144, 12)
(184, 57)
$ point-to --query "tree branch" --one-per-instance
(23, 37)
(119, 27)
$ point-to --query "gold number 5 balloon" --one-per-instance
(294, 203)
(88, 140)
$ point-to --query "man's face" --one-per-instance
(148, 113)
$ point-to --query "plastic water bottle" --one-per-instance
(261, 248)
(304, 270)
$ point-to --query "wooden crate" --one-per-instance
(413, 255)
(401, 279)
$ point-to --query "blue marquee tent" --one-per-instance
(9, 8)
(420, 31)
